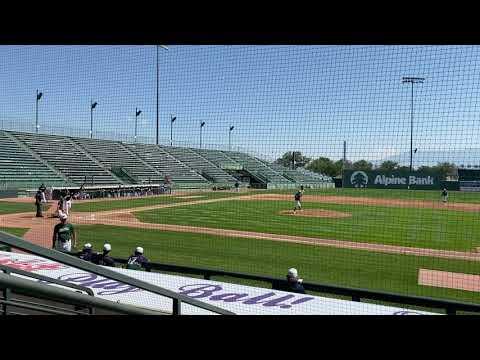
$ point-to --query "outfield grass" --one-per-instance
(7, 207)
(114, 204)
(427, 228)
(345, 267)
(454, 196)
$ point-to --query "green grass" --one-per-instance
(7, 207)
(439, 229)
(149, 201)
(14, 231)
(454, 196)
(355, 268)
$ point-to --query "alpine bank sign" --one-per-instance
(410, 180)
(386, 179)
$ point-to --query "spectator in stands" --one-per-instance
(104, 258)
(137, 261)
(86, 253)
(293, 282)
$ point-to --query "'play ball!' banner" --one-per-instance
(240, 299)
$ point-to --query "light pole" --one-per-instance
(92, 106)
(202, 124)
(172, 120)
(412, 80)
(137, 113)
(39, 96)
(230, 138)
(166, 48)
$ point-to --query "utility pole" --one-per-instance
(412, 80)
(158, 71)
(39, 96)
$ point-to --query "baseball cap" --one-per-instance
(139, 250)
(87, 246)
(107, 247)
(293, 272)
(63, 216)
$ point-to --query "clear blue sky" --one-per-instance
(279, 98)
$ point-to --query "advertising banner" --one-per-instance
(240, 299)
(391, 180)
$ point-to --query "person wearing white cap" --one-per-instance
(104, 258)
(294, 283)
(86, 254)
(63, 235)
(137, 261)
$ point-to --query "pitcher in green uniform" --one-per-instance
(64, 235)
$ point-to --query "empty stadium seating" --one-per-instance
(257, 167)
(18, 166)
(167, 165)
(299, 175)
(33, 158)
(218, 158)
(114, 154)
(63, 155)
(200, 164)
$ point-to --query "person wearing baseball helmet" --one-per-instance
(294, 283)
(86, 253)
(104, 258)
(138, 261)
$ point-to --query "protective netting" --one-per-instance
(382, 142)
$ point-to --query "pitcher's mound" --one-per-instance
(317, 213)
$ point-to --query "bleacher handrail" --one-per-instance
(66, 296)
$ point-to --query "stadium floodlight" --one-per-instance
(92, 106)
(39, 96)
(229, 137)
(172, 120)
(165, 48)
(137, 114)
(412, 80)
(202, 124)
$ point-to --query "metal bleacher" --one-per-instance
(168, 165)
(255, 166)
(115, 154)
(200, 164)
(218, 158)
(62, 153)
(29, 159)
(299, 175)
(18, 166)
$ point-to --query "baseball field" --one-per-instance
(388, 240)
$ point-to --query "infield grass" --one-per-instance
(416, 227)
(345, 267)
(117, 204)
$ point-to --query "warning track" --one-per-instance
(41, 228)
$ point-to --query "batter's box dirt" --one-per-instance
(317, 213)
